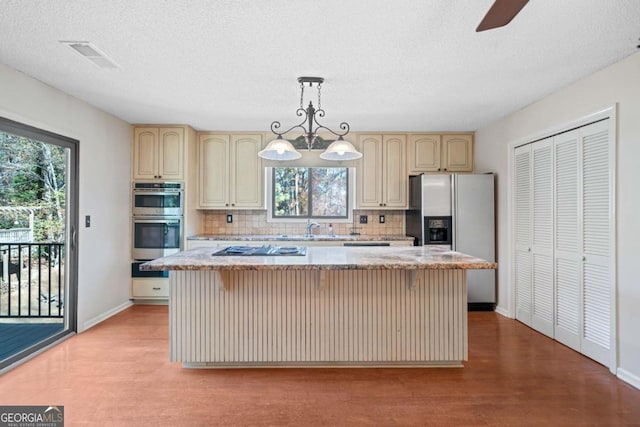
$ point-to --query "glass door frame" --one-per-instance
(72, 189)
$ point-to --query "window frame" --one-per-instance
(270, 183)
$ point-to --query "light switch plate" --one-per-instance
(229, 219)
(87, 221)
(381, 219)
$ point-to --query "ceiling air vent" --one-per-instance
(92, 53)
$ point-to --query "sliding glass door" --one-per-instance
(38, 223)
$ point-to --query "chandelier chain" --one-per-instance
(301, 96)
(319, 103)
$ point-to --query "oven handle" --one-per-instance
(158, 193)
(156, 221)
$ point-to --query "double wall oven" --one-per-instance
(157, 219)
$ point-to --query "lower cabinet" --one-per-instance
(192, 244)
(155, 288)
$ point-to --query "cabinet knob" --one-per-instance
(233, 204)
(156, 289)
(584, 258)
(445, 169)
(226, 204)
(439, 169)
(528, 249)
(380, 204)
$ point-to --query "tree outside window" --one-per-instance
(300, 192)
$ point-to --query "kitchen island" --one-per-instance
(333, 306)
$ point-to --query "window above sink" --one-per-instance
(299, 194)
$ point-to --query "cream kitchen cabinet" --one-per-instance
(440, 153)
(158, 153)
(155, 288)
(193, 244)
(231, 175)
(381, 175)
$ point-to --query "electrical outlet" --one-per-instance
(381, 219)
(229, 219)
(87, 221)
(364, 219)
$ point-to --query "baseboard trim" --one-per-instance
(104, 316)
(502, 311)
(629, 378)
(151, 302)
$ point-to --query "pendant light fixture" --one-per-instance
(281, 149)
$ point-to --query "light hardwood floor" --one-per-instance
(117, 374)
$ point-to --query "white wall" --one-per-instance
(619, 83)
(104, 170)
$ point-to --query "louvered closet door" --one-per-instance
(567, 253)
(542, 237)
(522, 201)
(596, 242)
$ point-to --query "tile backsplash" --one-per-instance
(255, 222)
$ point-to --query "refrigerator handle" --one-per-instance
(454, 216)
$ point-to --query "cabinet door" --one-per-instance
(247, 174)
(522, 232)
(370, 172)
(394, 172)
(423, 153)
(457, 153)
(145, 153)
(542, 237)
(213, 189)
(171, 154)
(192, 244)
(150, 288)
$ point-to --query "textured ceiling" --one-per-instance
(414, 65)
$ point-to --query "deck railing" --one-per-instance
(16, 235)
(32, 280)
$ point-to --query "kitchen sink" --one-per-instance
(310, 237)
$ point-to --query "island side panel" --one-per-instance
(285, 318)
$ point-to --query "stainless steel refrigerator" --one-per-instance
(457, 211)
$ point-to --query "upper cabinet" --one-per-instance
(381, 172)
(158, 153)
(231, 175)
(440, 153)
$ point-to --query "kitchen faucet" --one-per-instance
(310, 226)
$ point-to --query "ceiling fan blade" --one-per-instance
(501, 13)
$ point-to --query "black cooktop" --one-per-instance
(262, 250)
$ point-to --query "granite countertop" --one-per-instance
(299, 237)
(326, 258)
